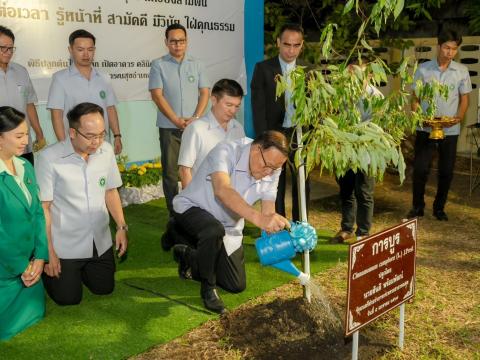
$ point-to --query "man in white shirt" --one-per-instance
(79, 83)
(212, 209)
(78, 181)
(16, 89)
(216, 126)
(202, 135)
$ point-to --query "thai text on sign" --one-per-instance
(381, 274)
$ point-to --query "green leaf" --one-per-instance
(366, 45)
(398, 8)
(348, 6)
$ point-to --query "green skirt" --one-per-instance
(20, 307)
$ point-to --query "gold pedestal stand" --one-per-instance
(438, 124)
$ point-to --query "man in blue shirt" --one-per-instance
(448, 72)
(180, 88)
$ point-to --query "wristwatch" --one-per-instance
(122, 227)
(117, 135)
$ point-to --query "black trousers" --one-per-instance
(282, 181)
(209, 261)
(97, 273)
(447, 152)
(356, 195)
(170, 140)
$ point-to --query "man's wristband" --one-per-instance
(122, 228)
(117, 135)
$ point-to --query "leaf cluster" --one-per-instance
(350, 126)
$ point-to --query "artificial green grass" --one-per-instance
(150, 304)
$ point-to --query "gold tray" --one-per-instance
(438, 124)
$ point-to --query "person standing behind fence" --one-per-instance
(179, 87)
(456, 76)
(16, 89)
(82, 82)
(23, 240)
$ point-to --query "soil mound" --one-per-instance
(288, 329)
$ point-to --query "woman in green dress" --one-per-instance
(23, 241)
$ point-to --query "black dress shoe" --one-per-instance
(440, 215)
(181, 255)
(415, 212)
(212, 301)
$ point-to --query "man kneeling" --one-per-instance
(212, 209)
(78, 182)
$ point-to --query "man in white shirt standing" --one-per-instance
(82, 82)
(16, 89)
(202, 135)
(78, 181)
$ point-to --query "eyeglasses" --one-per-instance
(90, 138)
(5, 49)
(265, 162)
(177, 42)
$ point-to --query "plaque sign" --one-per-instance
(381, 274)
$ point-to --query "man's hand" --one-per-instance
(33, 272)
(121, 242)
(273, 222)
(180, 123)
(117, 145)
(53, 268)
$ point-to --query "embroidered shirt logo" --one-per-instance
(102, 181)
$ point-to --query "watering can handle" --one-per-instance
(264, 234)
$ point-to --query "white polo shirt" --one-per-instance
(233, 158)
(16, 90)
(70, 88)
(202, 135)
(79, 215)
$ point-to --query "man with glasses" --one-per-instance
(78, 181)
(81, 82)
(180, 88)
(16, 89)
(213, 208)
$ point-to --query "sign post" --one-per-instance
(381, 277)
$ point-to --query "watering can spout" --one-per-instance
(287, 266)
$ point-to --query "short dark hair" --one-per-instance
(449, 35)
(227, 87)
(10, 118)
(81, 109)
(175, 26)
(7, 32)
(80, 34)
(272, 138)
(290, 27)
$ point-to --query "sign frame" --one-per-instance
(391, 250)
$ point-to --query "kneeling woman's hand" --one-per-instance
(33, 272)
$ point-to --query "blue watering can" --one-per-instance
(278, 249)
